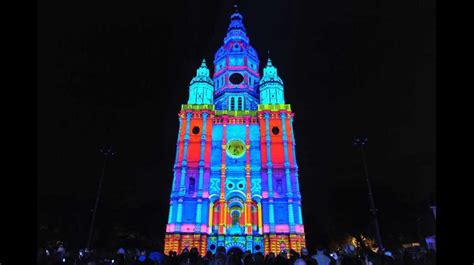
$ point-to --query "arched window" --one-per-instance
(279, 185)
(232, 103)
(235, 218)
(239, 103)
(191, 184)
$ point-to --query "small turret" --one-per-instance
(271, 86)
(201, 87)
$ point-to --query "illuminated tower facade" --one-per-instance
(235, 174)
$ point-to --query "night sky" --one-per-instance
(112, 72)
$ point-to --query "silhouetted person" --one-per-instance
(184, 257)
(235, 258)
(119, 259)
(431, 257)
(259, 259)
(408, 259)
(194, 258)
(171, 259)
(206, 260)
(300, 261)
(270, 259)
(42, 257)
(220, 257)
(248, 258)
(281, 259)
(350, 257)
(321, 257)
(293, 256)
(307, 258)
(387, 259)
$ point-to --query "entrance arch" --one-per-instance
(235, 247)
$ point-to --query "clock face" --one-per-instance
(235, 148)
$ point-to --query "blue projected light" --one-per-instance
(235, 178)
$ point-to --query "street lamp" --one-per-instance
(106, 152)
(361, 142)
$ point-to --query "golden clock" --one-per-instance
(235, 148)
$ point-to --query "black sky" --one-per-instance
(117, 72)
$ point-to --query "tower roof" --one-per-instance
(236, 30)
(236, 21)
(236, 33)
(202, 74)
(270, 73)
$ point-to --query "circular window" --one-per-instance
(275, 130)
(212, 247)
(195, 130)
(241, 186)
(230, 185)
(236, 78)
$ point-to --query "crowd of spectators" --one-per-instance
(348, 255)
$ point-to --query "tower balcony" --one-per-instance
(274, 107)
(236, 113)
(210, 107)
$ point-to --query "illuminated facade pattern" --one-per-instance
(235, 173)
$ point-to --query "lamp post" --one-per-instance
(106, 152)
(361, 142)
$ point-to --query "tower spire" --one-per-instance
(236, 20)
